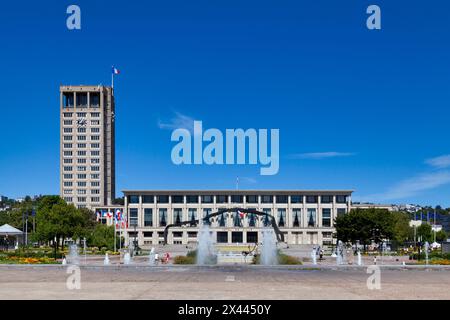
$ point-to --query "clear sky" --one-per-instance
(357, 109)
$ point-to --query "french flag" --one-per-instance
(115, 71)
(241, 214)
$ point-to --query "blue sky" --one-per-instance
(357, 109)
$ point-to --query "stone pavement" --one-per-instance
(223, 282)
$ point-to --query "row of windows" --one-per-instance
(81, 191)
(82, 199)
(81, 168)
(81, 160)
(81, 99)
(82, 114)
(236, 199)
(79, 130)
(81, 138)
(81, 153)
(81, 184)
(237, 221)
(69, 176)
(80, 145)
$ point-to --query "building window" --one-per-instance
(266, 219)
(68, 176)
(296, 199)
(81, 130)
(95, 176)
(67, 183)
(191, 199)
(311, 199)
(94, 99)
(162, 199)
(67, 168)
(95, 160)
(341, 211)
(67, 114)
(222, 219)
(81, 183)
(67, 130)
(206, 213)
(237, 220)
(95, 153)
(95, 191)
(133, 217)
(207, 199)
(67, 122)
(236, 237)
(95, 145)
(177, 215)
(67, 138)
(192, 216)
(68, 199)
(296, 217)
(67, 145)
(81, 191)
(95, 138)
(148, 217)
(67, 161)
(133, 199)
(95, 184)
(326, 199)
(68, 99)
(95, 122)
(95, 114)
(82, 99)
(251, 199)
(95, 130)
(81, 168)
(281, 217)
(95, 199)
(81, 145)
(177, 199)
(251, 220)
(81, 114)
(95, 168)
(341, 199)
(221, 199)
(326, 217)
(237, 199)
(148, 199)
(81, 160)
(311, 217)
(81, 153)
(162, 217)
(266, 199)
(222, 237)
(81, 199)
(281, 199)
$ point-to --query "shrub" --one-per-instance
(184, 260)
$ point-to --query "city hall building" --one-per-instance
(87, 179)
(305, 217)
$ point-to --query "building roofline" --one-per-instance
(233, 191)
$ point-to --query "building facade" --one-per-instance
(87, 152)
(305, 217)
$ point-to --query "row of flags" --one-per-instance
(120, 219)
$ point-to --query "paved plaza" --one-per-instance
(223, 282)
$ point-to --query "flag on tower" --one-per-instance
(115, 70)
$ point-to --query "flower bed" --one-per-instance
(26, 260)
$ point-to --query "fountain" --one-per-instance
(268, 248)
(126, 258)
(106, 261)
(340, 253)
(73, 257)
(359, 258)
(314, 256)
(205, 250)
(426, 248)
(151, 257)
(64, 262)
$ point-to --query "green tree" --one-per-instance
(102, 236)
(424, 232)
(441, 236)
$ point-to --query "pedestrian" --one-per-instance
(375, 260)
(321, 254)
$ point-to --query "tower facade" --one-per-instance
(87, 147)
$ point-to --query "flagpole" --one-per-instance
(115, 232)
(112, 79)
